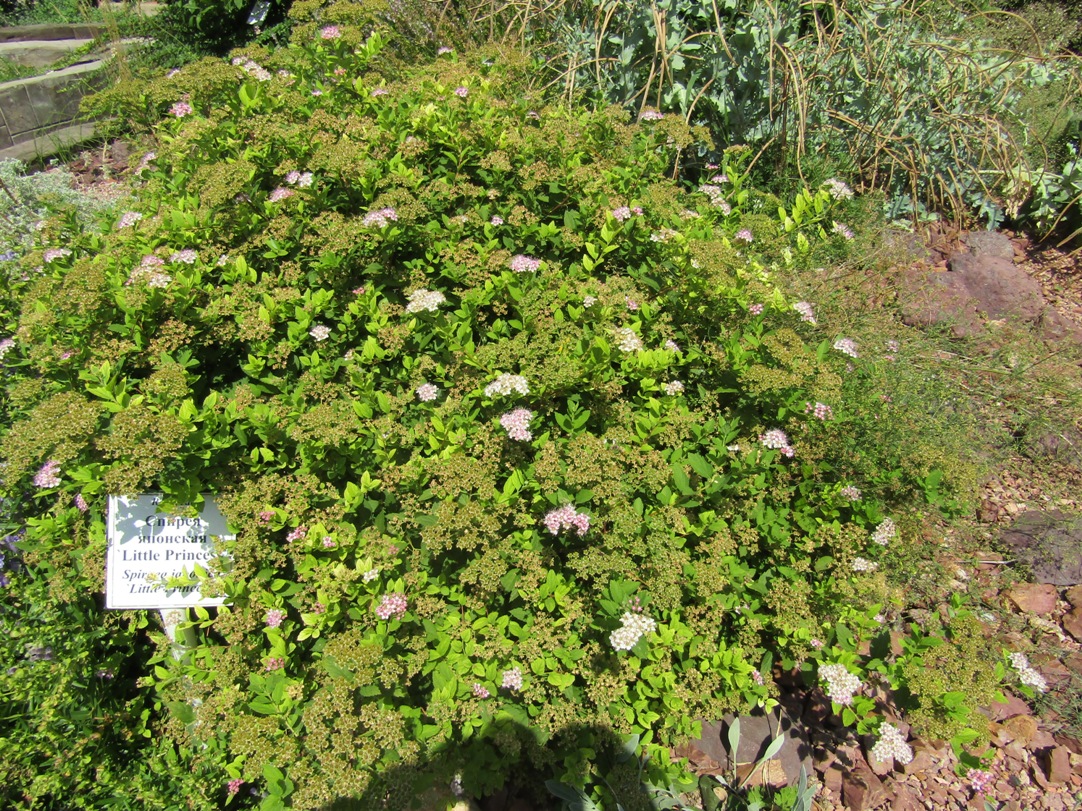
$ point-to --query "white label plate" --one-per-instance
(143, 541)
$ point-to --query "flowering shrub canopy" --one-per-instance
(491, 452)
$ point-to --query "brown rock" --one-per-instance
(1014, 706)
(1074, 746)
(930, 298)
(1050, 543)
(1034, 598)
(1057, 765)
(1001, 289)
(904, 800)
(862, 790)
(832, 780)
(1074, 596)
(881, 767)
(923, 760)
(1072, 623)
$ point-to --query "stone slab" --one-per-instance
(18, 113)
(39, 53)
(5, 138)
(51, 31)
(49, 143)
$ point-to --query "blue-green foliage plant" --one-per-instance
(524, 448)
(904, 96)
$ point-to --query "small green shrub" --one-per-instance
(521, 442)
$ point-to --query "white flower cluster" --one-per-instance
(633, 628)
(674, 388)
(884, 533)
(863, 565)
(840, 683)
(628, 340)
(506, 384)
(891, 744)
(838, 189)
(320, 332)
(425, 300)
(1026, 674)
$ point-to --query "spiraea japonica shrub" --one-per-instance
(521, 443)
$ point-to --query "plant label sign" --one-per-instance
(148, 546)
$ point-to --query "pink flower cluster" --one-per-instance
(512, 679)
(821, 411)
(806, 312)
(297, 534)
(187, 256)
(480, 691)
(53, 254)
(233, 786)
(80, 503)
(180, 109)
(745, 235)
(624, 213)
(391, 605)
(302, 180)
(48, 475)
(847, 346)
(517, 424)
(776, 439)
(756, 309)
(525, 264)
(380, 218)
(275, 617)
(651, 115)
(329, 32)
(427, 392)
(279, 194)
(274, 663)
(461, 92)
(129, 219)
(566, 518)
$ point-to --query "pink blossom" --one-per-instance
(330, 32)
(566, 518)
(443, 49)
(480, 691)
(266, 515)
(380, 91)
(279, 194)
(847, 346)
(497, 220)
(427, 392)
(461, 92)
(274, 663)
(180, 109)
(328, 542)
(187, 256)
(512, 679)
(806, 312)
(622, 214)
(275, 617)
(517, 424)
(524, 264)
(380, 218)
(80, 503)
(297, 534)
(821, 411)
(756, 309)
(53, 254)
(233, 786)
(392, 605)
(651, 115)
(48, 475)
(745, 235)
